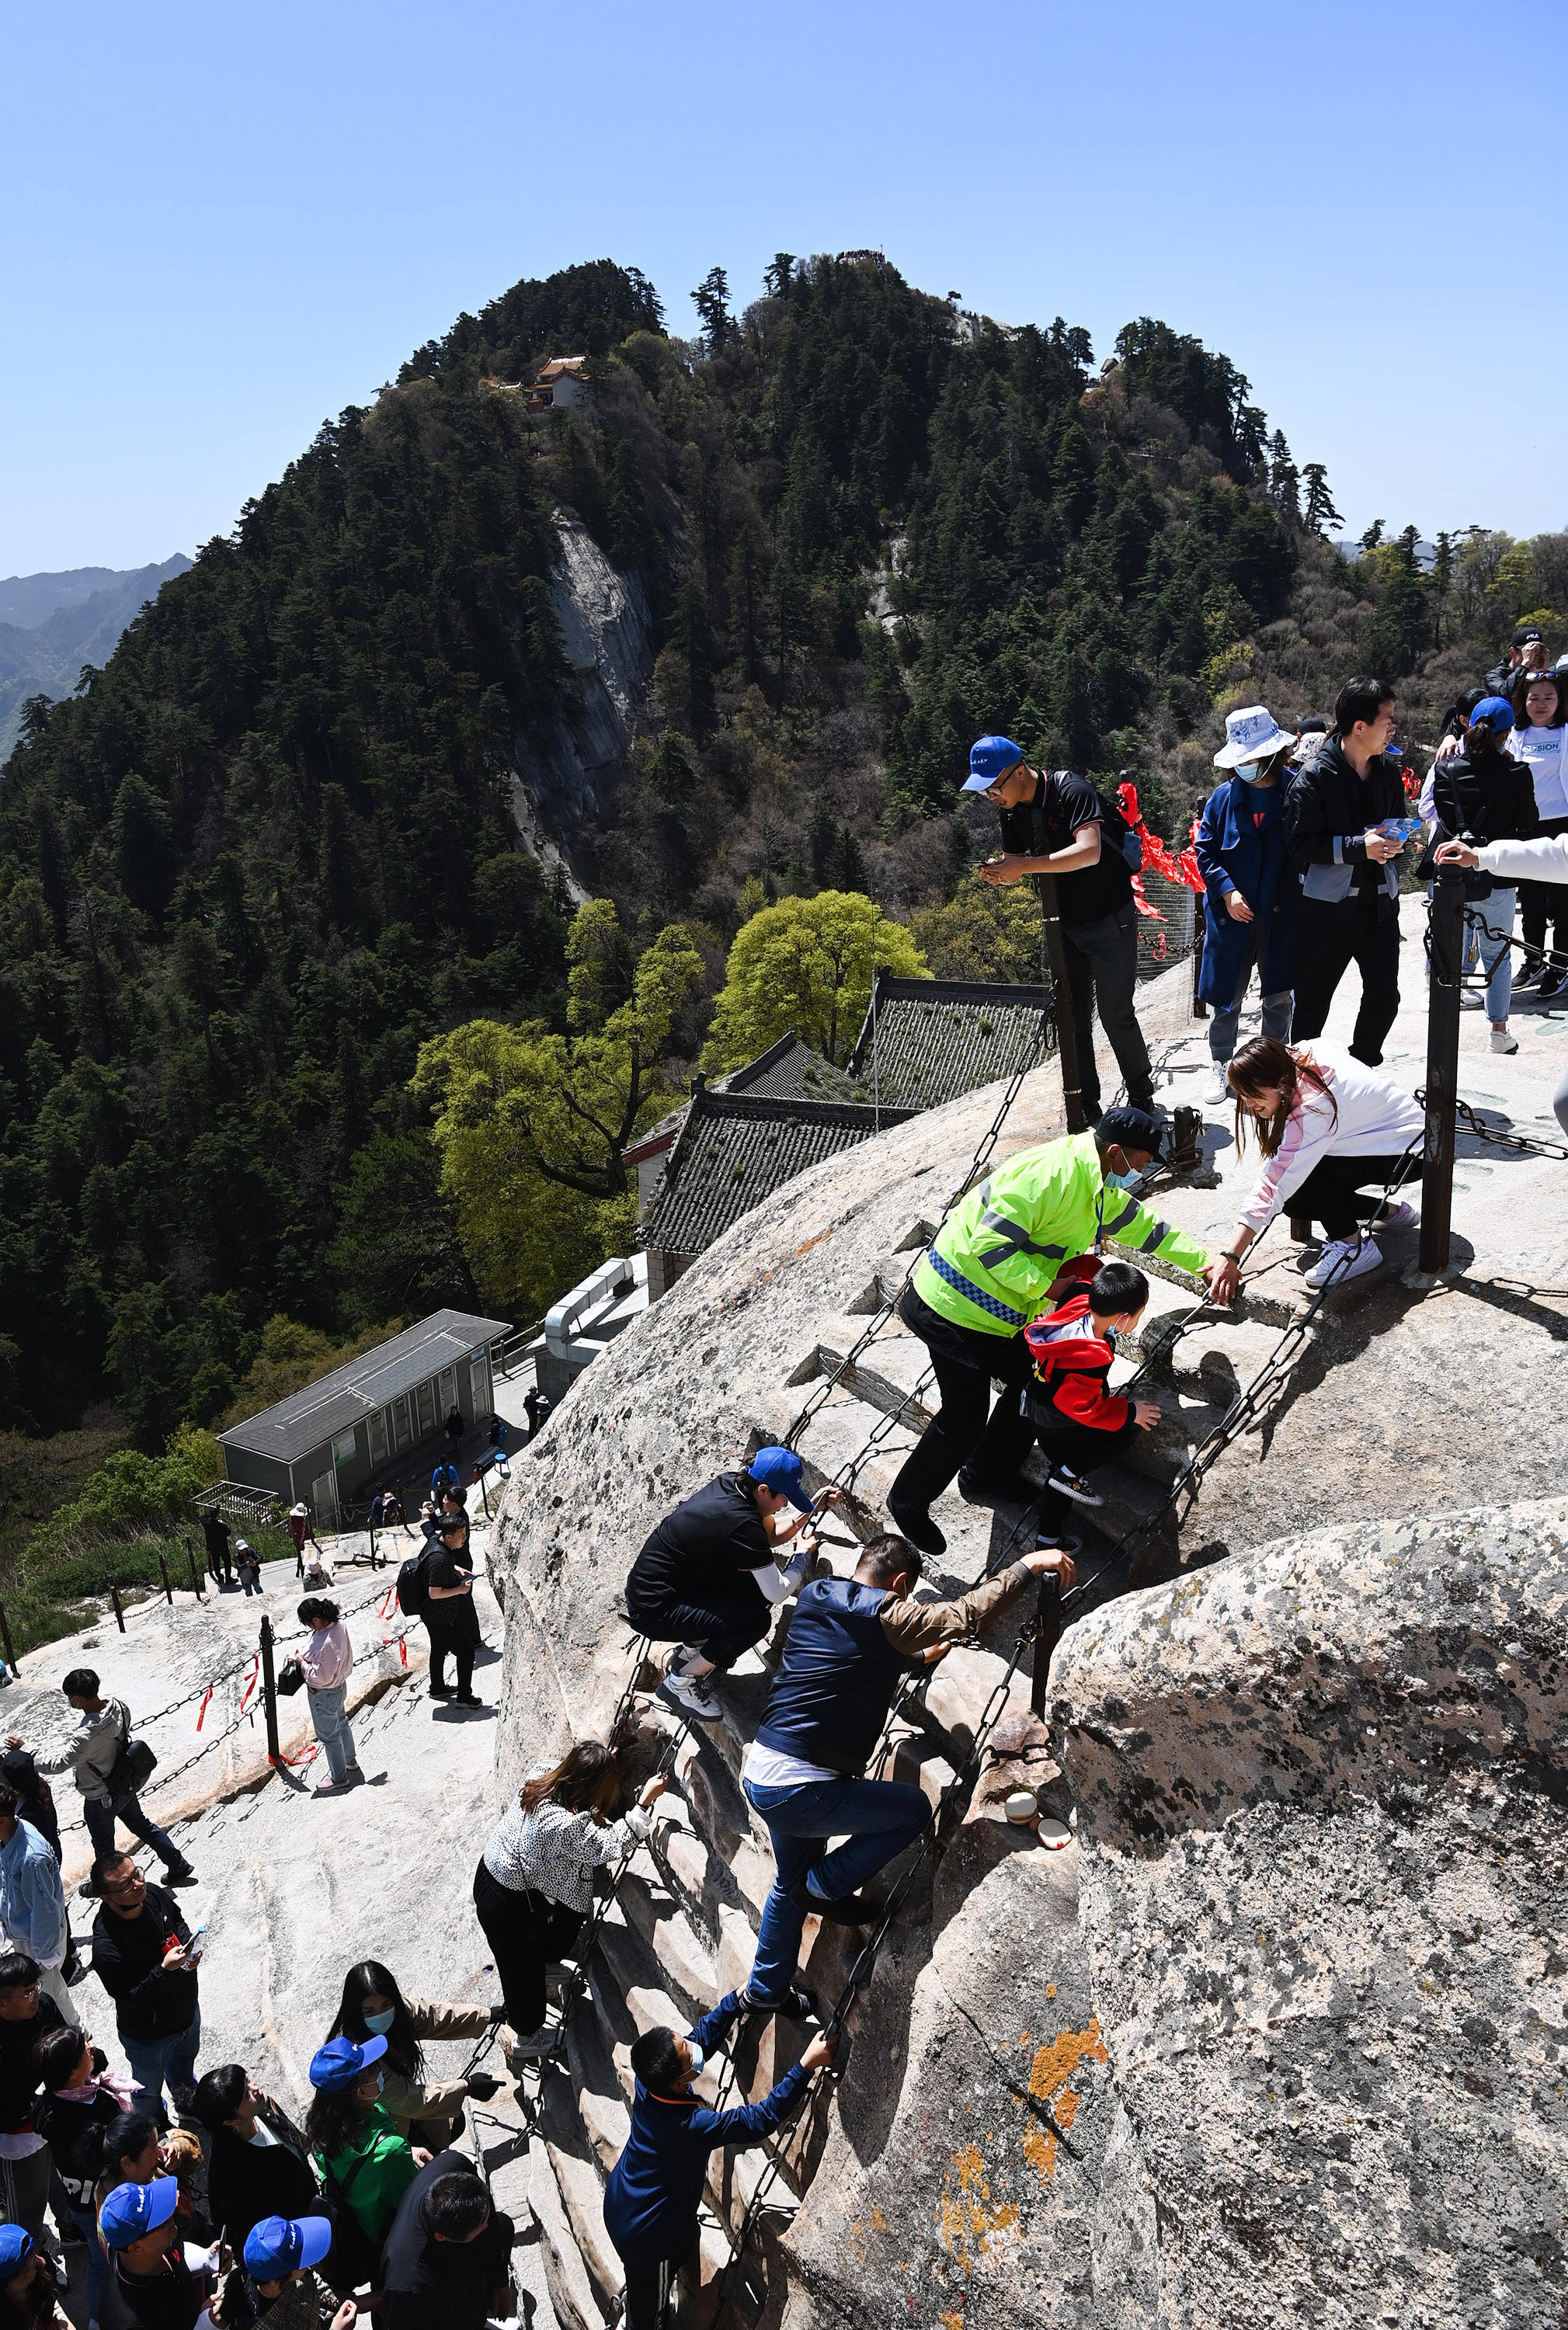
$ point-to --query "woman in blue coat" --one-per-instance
(1249, 897)
(650, 2202)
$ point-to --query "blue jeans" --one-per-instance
(173, 2058)
(879, 1817)
(101, 1816)
(96, 2263)
(1226, 1022)
(1496, 955)
(330, 1726)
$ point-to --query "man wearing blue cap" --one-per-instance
(1054, 822)
(150, 2286)
(710, 1575)
(279, 2286)
(27, 2285)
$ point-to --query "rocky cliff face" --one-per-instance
(608, 629)
(1276, 2037)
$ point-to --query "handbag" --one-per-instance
(290, 1678)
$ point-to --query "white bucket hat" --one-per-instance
(1251, 734)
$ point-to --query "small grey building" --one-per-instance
(327, 1443)
(924, 1041)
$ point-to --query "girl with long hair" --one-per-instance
(1540, 739)
(1329, 1129)
(366, 2162)
(534, 1886)
(373, 2006)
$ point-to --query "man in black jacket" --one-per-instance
(447, 2262)
(142, 1953)
(1052, 822)
(1348, 870)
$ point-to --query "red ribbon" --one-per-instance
(202, 1711)
(1157, 853)
(250, 1682)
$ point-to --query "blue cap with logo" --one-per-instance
(16, 2247)
(280, 2246)
(339, 2063)
(133, 2210)
(991, 757)
(1493, 712)
(781, 1470)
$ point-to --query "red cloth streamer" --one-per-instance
(300, 1755)
(250, 1681)
(202, 1711)
(1157, 853)
(384, 1608)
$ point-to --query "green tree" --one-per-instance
(397, 1254)
(1319, 513)
(712, 301)
(988, 931)
(806, 963)
(140, 827)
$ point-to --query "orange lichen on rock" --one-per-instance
(968, 2220)
(1054, 2065)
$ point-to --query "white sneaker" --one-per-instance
(1503, 1042)
(1217, 1090)
(1343, 1259)
(1392, 1217)
(692, 1694)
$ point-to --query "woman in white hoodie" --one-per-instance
(1544, 860)
(1330, 1129)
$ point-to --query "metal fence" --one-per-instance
(1171, 939)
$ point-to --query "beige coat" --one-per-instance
(435, 2102)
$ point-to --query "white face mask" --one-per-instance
(697, 2062)
(383, 2023)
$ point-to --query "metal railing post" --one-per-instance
(1447, 925)
(118, 1612)
(168, 1589)
(1061, 1001)
(269, 1692)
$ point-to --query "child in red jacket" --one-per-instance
(1079, 1421)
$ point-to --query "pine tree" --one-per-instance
(1284, 481)
(711, 299)
(1320, 513)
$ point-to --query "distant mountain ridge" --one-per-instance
(52, 624)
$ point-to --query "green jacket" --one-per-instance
(375, 2173)
(1008, 1238)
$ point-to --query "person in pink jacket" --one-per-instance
(326, 1659)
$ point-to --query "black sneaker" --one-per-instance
(1066, 1484)
(1549, 983)
(466, 1699)
(441, 1690)
(1070, 1546)
(795, 2004)
(919, 1528)
(846, 1909)
(183, 1875)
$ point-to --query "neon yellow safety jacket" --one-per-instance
(996, 1256)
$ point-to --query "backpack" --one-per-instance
(412, 1599)
(134, 1766)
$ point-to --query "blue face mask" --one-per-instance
(381, 2023)
(1122, 1180)
(698, 2060)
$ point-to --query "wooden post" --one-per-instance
(168, 1589)
(1061, 1001)
(196, 1580)
(5, 1638)
(1447, 927)
(269, 1692)
(118, 1612)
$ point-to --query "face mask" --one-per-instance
(1122, 1180)
(381, 2023)
(698, 2060)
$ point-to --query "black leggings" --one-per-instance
(646, 2293)
(525, 1931)
(1341, 1192)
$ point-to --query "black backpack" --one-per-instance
(414, 1600)
(134, 1765)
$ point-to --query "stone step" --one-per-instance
(913, 1757)
(637, 1977)
(958, 1688)
(595, 2075)
(907, 1391)
(573, 2296)
(686, 1964)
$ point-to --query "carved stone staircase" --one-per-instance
(682, 1930)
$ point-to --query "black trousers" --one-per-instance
(1543, 903)
(462, 1653)
(1325, 951)
(967, 1431)
(1081, 1448)
(525, 1933)
(646, 2286)
(724, 1624)
(1343, 1191)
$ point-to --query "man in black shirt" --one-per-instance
(451, 1621)
(708, 1578)
(447, 2261)
(215, 1536)
(1052, 823)
(142, 1954)
(1348, 869)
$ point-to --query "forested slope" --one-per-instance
(266, 852)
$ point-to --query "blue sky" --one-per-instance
(225, 224)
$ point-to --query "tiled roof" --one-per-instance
(935, 1038)
(786, 1068)
(334, 1402)
(735, 1149)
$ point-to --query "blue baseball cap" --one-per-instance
(280, 2246)
(339, 2063)
(16, 2247)
(991, 757)
(133, 2210)
(1493, 712)
(781, 1470)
